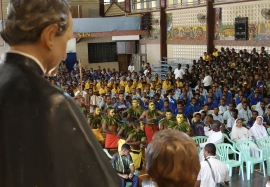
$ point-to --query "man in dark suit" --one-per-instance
(45, 140)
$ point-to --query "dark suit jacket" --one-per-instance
(45, 140)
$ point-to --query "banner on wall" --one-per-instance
(169, 25)
(189, 33)
(263, 31)
(226, 32)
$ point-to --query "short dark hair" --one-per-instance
(210, 115)
(131, 119)
(125, 147)
(210, 148)
(27, 19)
(235, 111)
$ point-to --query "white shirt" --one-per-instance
(220, 170)
(204, 93)
(239, 106)
(179, 73)
(227, 114)
(94, 100)
(245, 114)
(260, 111)
(222, 109)
(213, 137)
(207, 81)
(131, 68)
(145, 72)
(230, 122)
(83, 94)
(241, 133)
(258, 131)
(218, 118)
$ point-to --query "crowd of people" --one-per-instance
(229, 87)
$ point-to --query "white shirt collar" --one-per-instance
(29, 56)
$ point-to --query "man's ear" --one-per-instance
(47, 36)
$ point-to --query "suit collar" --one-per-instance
(23, 61)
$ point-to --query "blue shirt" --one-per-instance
(172, 104)
(237, 100)
(161, 103)
(228, 98)
(254, 101)
(191, 110)
(212, 106)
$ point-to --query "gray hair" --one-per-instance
(28, 18)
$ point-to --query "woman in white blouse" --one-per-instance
(258, 130)
(239, 132)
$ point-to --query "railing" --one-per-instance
(184, 3)
(229, 1)
(162, 67)
(154, 4)
(144, 5)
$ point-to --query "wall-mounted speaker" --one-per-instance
(146, 21)
(241, 28)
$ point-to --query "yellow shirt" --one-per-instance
(215, 54)
(179, 84)
(206, 58)
(139, 85)
(153, 87)
(166, 86)
(115, 90)
(123, 83)
(128, 89)
(75, 90)
(87, 86)
(135, 84)
(102, 91)
(98, 86)
(158, 81)
(110, 84)
(95, 88)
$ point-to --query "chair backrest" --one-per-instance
(253, 107)
(222, 150)
(107, 153)
(210, 111)
(264, 144)
(199, 139)
(268, 130)
(225, 136)
(244, 147)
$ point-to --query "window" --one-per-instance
(102, 52)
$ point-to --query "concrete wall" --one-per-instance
(153, 53)
(86, 5)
